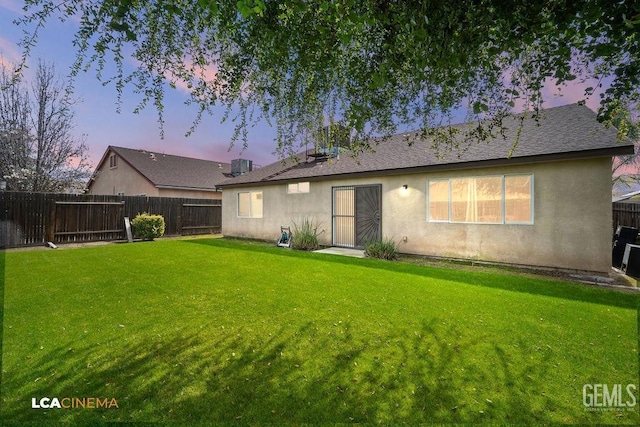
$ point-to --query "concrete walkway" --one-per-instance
(357, 253)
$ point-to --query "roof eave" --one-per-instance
(541, 158)
(102, 160)
(178, 187)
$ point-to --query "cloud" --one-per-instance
(554, 95)
(9, 53)
(572, 92)
(13, 6)
(207, 73)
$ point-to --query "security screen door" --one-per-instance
(356, 215)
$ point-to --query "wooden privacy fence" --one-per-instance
(627, 214)
(28, 219)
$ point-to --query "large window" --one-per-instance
(481, 200)
(250, 204)
(476, 200)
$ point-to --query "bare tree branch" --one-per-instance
(38, 149)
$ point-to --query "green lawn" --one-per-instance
(209, 330)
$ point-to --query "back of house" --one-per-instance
(539, 195)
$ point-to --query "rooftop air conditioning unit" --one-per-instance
(333, 139)
(241, 166)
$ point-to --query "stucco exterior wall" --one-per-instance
(121, 179)
(125, 179)
(279, 209)
(191, 194)
(571, 228)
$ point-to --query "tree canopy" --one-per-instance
(38, 151)
(369, 65)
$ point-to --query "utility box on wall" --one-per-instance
(622, 237)
(631, 260)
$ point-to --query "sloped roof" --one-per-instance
(627, 196)
(624, 185)
(169, 171)
(567, 132)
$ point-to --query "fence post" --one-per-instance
(28, 219)
(50, 225)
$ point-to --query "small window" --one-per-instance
(250, 204)
(298, 187)
(113, 161)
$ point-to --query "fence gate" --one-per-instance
(357, 215)
(198, 218)
(84, 221)
(28, 219)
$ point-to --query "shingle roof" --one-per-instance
(626, 196)
(566, 132)
(166, 170)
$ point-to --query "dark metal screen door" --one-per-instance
(368, 214)
(356, 215)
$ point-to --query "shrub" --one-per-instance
(382, 249)
(305, 235)
(148, 227)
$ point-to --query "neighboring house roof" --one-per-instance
(625, 185)
(560, 133)
(169, 171)
(627, 196)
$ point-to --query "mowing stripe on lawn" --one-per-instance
(210, 330)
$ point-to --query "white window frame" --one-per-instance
(294, 187)
(252, 213)
(503, 200)
(113, 161)
(448, 181)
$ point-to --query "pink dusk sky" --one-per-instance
(96, 115)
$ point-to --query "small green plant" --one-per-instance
(382, 249)
(147, 226)
(305, 235)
